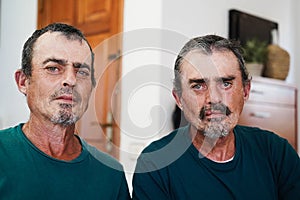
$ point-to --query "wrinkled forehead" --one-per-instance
(201, 65)
(57, 45)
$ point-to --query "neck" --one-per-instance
(54, 140)
(218, 149)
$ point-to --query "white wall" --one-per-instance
(138, 96)
(18, 21)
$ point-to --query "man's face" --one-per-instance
(60, 85)
(213, 95)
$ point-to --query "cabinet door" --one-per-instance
(92, 13)
(56, 11)
(271, 93)
(98, 20)
(280, 120)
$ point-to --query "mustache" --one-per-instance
(66, 91)
(215, 107)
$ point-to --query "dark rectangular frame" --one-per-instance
(244, 26)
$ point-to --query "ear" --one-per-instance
(21, 80)
(177, 98)
(247, 89)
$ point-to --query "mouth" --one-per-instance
(212, 113)
(216, 111)
(66, 96)
(67, 99)
(214, 116)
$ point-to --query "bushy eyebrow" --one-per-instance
(224, 79)
(201, 80)
(81, 65)
(218, 79)
(64, 62)
(58, 61)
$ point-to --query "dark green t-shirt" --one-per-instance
(264, 167)
(28, 173)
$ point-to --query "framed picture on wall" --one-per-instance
(244, 26)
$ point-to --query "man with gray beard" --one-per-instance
(212, 157)
(44, 158)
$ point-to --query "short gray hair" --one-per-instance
(206, 44)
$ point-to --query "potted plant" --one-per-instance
(255, 54)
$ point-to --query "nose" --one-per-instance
(213, 95)
(69, 78)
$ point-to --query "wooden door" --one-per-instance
(100, 21)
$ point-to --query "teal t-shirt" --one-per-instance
(28, 173)
(264, 167)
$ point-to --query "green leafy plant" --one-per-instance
(255, 51)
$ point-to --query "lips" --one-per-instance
(67, 98)
(67, 95)
(214, 114)
(214, 110)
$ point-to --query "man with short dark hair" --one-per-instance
(44, 158)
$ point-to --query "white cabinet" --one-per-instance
(272, 105)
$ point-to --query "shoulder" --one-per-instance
(11, 129)
(173, 137)
(10, 133)
(104, 159)
(257, 134)
(164, 151)
(262, 140)
(283, 159)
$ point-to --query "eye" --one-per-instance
(226, 84)
(83, 72)
(199, 86)
(53, 69)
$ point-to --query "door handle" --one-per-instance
(263, 115)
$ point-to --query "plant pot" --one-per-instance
(255, 69)
(278, 63)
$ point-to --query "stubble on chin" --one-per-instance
(216, 128)
(65, 115)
